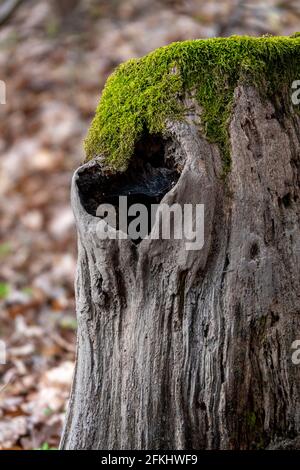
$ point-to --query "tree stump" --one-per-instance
(192, 349)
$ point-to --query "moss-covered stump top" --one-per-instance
(143, 93)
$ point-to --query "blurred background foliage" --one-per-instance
(54, 59)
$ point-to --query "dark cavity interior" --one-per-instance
(153, 171)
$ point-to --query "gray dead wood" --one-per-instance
(186, 349)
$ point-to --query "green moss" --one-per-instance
(251, 419)
(142, 93)
(257, 437)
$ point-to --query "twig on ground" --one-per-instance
(7, 9)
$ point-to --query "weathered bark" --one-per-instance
(186, 349)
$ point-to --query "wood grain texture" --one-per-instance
(186, 349)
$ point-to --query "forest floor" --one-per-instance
(54, 69)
